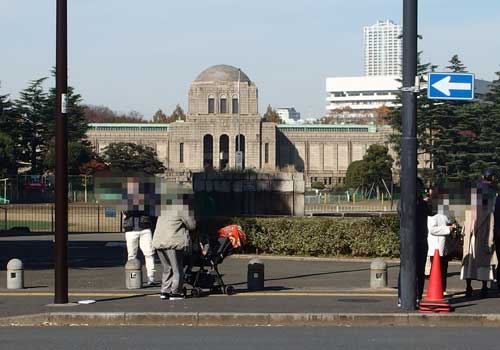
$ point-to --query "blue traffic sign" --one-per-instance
(450, 86)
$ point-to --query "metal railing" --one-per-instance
(41, 218)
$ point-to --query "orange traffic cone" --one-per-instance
(434, 300)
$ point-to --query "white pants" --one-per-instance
(144, 240)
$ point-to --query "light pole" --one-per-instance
(61, 185)
(239, 155)
(408, 286)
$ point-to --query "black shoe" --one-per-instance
(468, 292)
(164, 296)
(484, 292)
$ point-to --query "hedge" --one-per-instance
(319, 236)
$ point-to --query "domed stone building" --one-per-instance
(223, 103)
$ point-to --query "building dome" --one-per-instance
(222, 73)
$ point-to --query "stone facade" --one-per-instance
(223, 102)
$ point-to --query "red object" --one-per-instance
(434, 300)
(235, 235)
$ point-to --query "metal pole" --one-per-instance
(61, 185)
(239, 136)
(409, 158)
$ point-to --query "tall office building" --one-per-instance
(383, 48)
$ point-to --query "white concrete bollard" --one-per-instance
(15, 274)
(133, 274)
(378, 274)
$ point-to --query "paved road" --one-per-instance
(248, 338)
(96, 262)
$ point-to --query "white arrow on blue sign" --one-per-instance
(450, 86)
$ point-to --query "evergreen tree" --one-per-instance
(77, 123)
(427, 118)
(125, 157)
(493, 95)
(456, 65)
(33, 127)
(7, 158)
(378, 165)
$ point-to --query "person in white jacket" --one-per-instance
(440, 227)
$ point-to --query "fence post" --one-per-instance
(98, 219)
(5, 218)
(52, 218)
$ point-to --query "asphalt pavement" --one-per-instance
(230, 338)
(292, 285)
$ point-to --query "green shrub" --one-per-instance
(318, 236)
(318, 185)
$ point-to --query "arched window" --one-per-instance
(235, 104)
(240, 146)
(223, 104)
(211, 104)
(208, 151)
(223, 151)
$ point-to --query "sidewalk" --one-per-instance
(297, 291)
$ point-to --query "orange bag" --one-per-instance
(235, 235)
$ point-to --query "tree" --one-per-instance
(130, 157)
(456, 65)
(378, 165)
(102, 114)
(159, 117)
(493, 95)
(177, 114)
(356, 174)
(79, 153)
(271, 116)
(77, 123)
(7, 158)
(33, 125)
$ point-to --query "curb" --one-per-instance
(251, 319)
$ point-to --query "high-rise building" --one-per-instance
(288, 114)
(383, 48)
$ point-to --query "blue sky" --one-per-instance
(142, 55)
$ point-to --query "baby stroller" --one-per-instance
(207, 276)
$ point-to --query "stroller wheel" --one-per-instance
(196, 292)
(229, 290)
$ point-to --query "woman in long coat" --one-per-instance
(479, 257)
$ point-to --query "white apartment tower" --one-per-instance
(383, 48)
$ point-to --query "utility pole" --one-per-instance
(239, 155)
(61, 186)
(408, 232)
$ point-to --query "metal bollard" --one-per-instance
(378, 274)
(255, 275)
(133, 274)
(15, 274)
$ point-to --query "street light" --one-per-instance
(408, 234)
(61, 178)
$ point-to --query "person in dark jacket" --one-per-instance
(139, 226)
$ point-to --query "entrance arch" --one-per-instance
(223, 151)
(208, 151)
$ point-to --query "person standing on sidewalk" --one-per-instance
(171, 240)
(138, 234)
(440, 227)
(139, 223)
(479, 258)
